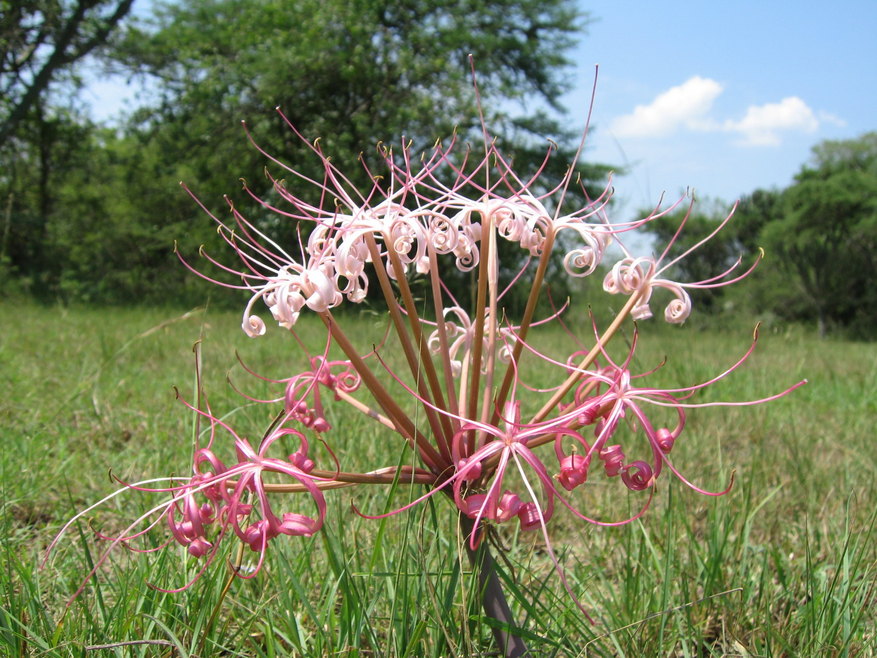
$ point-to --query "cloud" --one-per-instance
(685, 105)
(762, 123)
(688, 106)
(826, 117)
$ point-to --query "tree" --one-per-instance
(40, 40)
(827, 236)
(41, 129)
(45, 151)
(351, 74)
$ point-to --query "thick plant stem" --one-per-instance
(493, 597)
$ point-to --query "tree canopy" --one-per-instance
(819, 235)
(351, 74)
(40, 40)
(827, 234)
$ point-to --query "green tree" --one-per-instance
(827, 235)
(349, 73)
(352, 74)
(40, 40)
(32, 163)
(41, 128)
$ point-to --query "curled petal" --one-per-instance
(253, 326)
(199, 547)
(474, 505)
(625, 277)
(638, 476)
(613, 460)
(298, 525)
(641, 311)
(324, 295)
(256, 536)
(442, 236)
(509, 506)
(665, 440)
(679, 309)
(580, 262)
(530, 517)
(207, 513)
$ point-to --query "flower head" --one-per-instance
(462, 412)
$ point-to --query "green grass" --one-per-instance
(784, 565)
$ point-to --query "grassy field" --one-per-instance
(784, 565)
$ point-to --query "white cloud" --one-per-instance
(685, 105)
(688, 106)
(762, 123)
(827, 117)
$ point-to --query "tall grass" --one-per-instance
(784, 565)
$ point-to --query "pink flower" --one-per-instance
(343, 380)
(461, 413)
(203, 508)
(642, 275)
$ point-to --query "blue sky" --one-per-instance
(723, 97)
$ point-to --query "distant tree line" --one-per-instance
(819, 238)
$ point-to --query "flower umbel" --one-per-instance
(476, 437)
